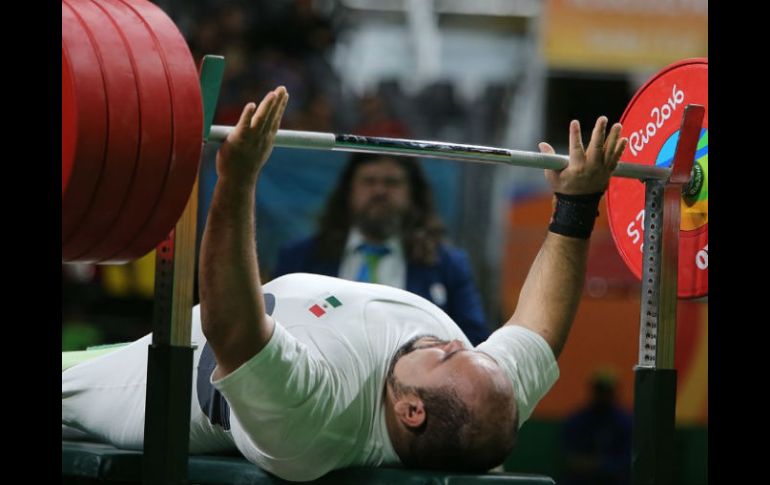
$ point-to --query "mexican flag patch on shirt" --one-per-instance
(320, 308)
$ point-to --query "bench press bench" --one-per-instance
(86, 463)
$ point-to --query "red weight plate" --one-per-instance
(84, 121)
(155, 132)
(651, 122)
(187, 106)
(122, 134)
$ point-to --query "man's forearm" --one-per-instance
(232, 305)
(551, 293)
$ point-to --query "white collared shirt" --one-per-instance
(391, 269)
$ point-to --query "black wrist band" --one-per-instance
(574, 215)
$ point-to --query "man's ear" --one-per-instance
(410, 410)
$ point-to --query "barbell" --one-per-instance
(132, 123)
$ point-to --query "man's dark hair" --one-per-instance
(454, 438)
(421, 231)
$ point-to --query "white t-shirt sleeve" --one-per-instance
(529, 362)
(282, 399)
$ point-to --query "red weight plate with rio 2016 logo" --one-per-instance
(651, 122)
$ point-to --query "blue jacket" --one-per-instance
(452, 271)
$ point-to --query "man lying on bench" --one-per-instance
(307, 373)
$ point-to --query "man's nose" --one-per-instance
(380, 189)
(454, 345)
(381, 186)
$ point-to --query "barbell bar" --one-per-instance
(436, 149)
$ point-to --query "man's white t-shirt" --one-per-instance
(529, 362)
(311, 400)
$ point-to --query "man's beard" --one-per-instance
(379, 225)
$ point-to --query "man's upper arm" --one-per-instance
(283, 397)
(549, 298)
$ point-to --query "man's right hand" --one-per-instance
(247, 148)
(589, 171)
